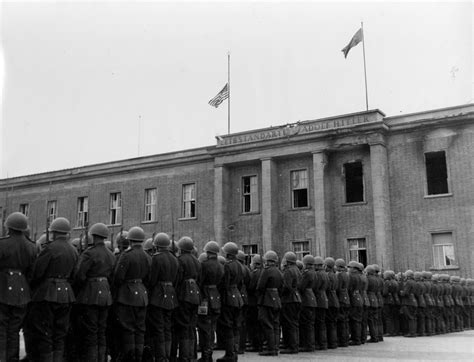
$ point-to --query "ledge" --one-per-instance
(358, 203)
(438, 196)
(453, 267)
(187, 218)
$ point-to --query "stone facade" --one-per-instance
(395, 223)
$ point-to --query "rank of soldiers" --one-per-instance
(156, 300)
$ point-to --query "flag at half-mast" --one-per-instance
(220, 97)
(356, 39)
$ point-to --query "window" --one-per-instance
(82, 211)
(436, 173)
(150, 205)
(299, 188)
(52, 211)
(250, 249)
(249, 194)
(115, 208)
(24, 209)
(358, 250)
(443, 250)
(189, 201)
(301, 248)
(354, 182)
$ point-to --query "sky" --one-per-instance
(91, 82)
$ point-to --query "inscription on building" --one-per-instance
(296, 129)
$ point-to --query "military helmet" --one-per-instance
(340, 263)
(435, 277)
(353, 264)
(455, 279)
(230, 248)
(60, 225)
(270, 255)
(370, 270)
(212, 247)
(241, 256)
(186, 244)
(329, 262)
(290, 257)
(27, 232)
(136, 233)
(387, 274)
(41, 241)
(426, 275)
(463, 281)
(99, 229)
(221, 259)
(202, 257)
(162, 240)
(108, 245)
(318, 260)
(16, 221)
(409, 274)
(121, 237)
(360, 266)
(308, 259)
(299, 264)
(376, 268)
(444, 277)
(74, 242)
(148, 244)
(417, 275)
(256, 259)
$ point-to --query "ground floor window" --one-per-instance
(443, 250)
(358, 250)
(300, 248)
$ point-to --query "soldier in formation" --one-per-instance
(85, 303)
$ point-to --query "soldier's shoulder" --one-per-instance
(4, 237)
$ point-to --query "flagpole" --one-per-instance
(228, 88)
(365, 70)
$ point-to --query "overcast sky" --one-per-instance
(78, 77)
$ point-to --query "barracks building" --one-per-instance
(396, 191)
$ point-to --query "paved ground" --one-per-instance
(447, 347)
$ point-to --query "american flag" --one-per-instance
(220, 97)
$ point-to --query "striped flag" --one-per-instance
(356, 39)
(220, 97)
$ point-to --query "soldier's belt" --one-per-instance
(12, 271)
(272, 289)
(190, 280)
(133, 281)
(211, 286)
(57, 280)
(97, 279)
(166, 284)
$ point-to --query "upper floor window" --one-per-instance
(82, 211)
(25, 209)
(52, 210)
(249, 194)
(189, 201)
(436, 173)
(115, 210)
(299, 188)
(443, 250)
(354, 178)
(358, 250)
(150, 205)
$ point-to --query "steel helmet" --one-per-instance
(230, 248)
(427, 275)
(370, 270)
(353, 264)
(60, 225)
(148, 244)
(318, 260)
(329, 262)
(387, 275)
(202, 257)
(290, 257)
(121, 236)
(409, 274)
(376, 268)
(136, 233)
(27, 232)
(108, 245)
(340, 263)
(435, 277)
(162, 240)
(463, 281)
(308, 259)
(186, 244)
(211, 247)
(241, 256)
(16, 221)
(41, 242)
(221, 259)
(270, 255)
(299, 264)
(75, 242)
(256, 259)
(99, 229)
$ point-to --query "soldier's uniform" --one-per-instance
(189, 298)
(93, 274)
(17, 256)
(458, 304)
(390, 295)
(467, 305)
(162, 299)
(243, 287)
(291, 305)
(430, 303)
(52, 292)
(436, 290)
(342, 290)
(357, 303)
(372, 317)
(231, 302)
(365, 312)
(409, 303)
(320, 286)
(253, 326)
(269, 286)
(380, 302)
(308, 305)
(131, 296)
(333, 304)
(447, 301)
(212, 273)
(421, 309)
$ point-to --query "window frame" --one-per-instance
(301, 253)
(252, 246)
(292, 195)
(25, 206)
(183, 201)
(448, 175)
(253, 196)
(364, 201)
(359, 248)
(82, 217)
(117, 208)
(51, 216)
(153, 206)
(443, 244)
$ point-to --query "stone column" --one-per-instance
(319, 246)
(221, 182)
(269, 206)
(381, 204)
